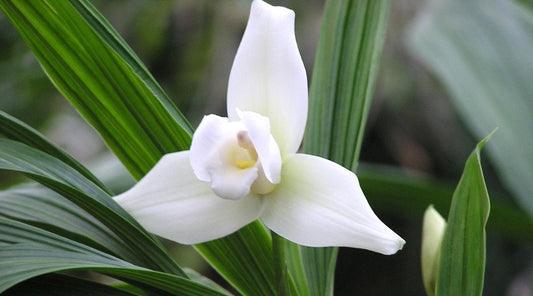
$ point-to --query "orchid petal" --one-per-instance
(171, 202)
(265, 145)
(268, 76)
(232, 183)
(207, 139)
(213, 155)
(319, 203)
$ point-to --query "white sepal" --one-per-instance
(319, 203)
(171, 202)
(268, 76)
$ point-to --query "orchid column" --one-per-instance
(246, 166)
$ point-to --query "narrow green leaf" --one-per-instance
(481, 51)
(244, 259)
(45, 209)
(24, 261)
(72, 185)
(296, 270)
(62, 285)
(17, 130)
(199, 278)
(27, 251)
(281, 273)
(94, 69)
(319, 267)
(105, 31)
(463, 250)
(346, 64)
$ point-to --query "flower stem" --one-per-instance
(281, 279)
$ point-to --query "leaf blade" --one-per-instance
(463, 250)
(72, 185)
(17, 130)
(346, 63)
(128, 109)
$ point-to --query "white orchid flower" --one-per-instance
(245, 167)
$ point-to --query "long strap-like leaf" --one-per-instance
(72, 185)
(346, 64)
(98, 73)
(27, 252)
(62, 285)
(17, 130)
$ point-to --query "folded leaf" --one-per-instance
(463, 250)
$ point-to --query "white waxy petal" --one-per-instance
(171, 202)
(319, 203)
(229, 182)
(266, 147)
(206, 141)
(215, 154)
(268, 76)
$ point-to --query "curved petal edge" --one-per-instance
(268, 75)
(171, 202)
(320, 203)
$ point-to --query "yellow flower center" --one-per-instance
(249, 159)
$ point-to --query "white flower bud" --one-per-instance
(432, 233)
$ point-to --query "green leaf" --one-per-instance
(45, 209)
(17, 130)
(244, 259)
(62, 285)
(27, 251)
(99, 74)
(24, 261)
(296, 269)
(72, 185)
(481, 51)
(199, 278)
(346, 64)
(462, 256)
